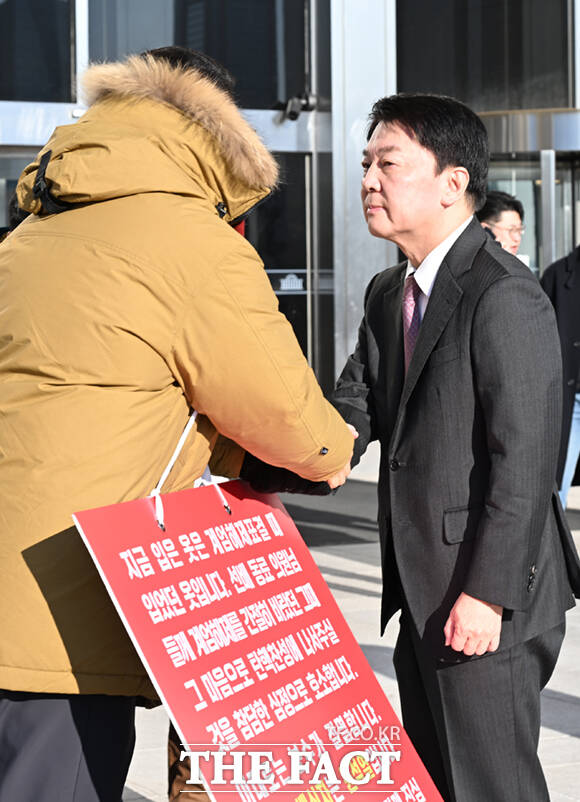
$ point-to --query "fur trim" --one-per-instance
(198, 98)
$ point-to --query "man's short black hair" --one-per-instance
(496, 203)
(193, 59)
(449, 129)
(15, 214)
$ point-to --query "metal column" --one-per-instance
(81, 39)
(548, 173)
(363, 43)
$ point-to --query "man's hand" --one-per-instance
(473, 626)
(340, 478)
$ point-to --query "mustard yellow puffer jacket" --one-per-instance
(116, 316)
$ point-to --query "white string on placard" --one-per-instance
(206, 478)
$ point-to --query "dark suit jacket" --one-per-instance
(561, 282)
(469, 442)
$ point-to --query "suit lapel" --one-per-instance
(394, 369)
(445, 296)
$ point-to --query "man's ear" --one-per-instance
(456, 181)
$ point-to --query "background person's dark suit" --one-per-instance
(469, 443)
(561, 282)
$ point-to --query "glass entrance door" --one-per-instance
(521, 175)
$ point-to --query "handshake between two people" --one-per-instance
(265, 478)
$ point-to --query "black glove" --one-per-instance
(265, 478)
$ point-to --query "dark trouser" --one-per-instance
(180, 773)
(476, 724)
(64, 748)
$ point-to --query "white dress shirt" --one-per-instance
(426, 272)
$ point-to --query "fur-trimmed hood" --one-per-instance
(155, 127)
(199, 99)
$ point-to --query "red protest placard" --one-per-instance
(249, 652)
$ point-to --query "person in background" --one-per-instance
(503, 215)
(561, 281)
(128, 300)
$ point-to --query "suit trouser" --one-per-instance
(64, 748)
(476, 724)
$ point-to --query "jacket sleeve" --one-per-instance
(239, 363)
(352, 396)
(517, 370)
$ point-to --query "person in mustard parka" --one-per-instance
(127, 300)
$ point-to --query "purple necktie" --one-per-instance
(411, 317)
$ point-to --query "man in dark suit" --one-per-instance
(457, 373)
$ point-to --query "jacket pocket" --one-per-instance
(461, 524)
(444, 354)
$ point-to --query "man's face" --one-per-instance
(507, 229)
(401, 189)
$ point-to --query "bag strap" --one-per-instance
(41, 189)
(206, 477)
